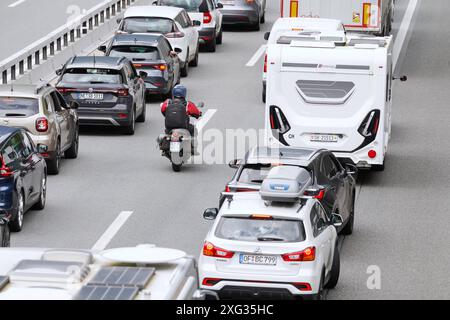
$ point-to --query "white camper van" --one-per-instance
(374, 16)
(144, 272)
(333, 92)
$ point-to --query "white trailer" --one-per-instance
(333, 92)
(374, 16)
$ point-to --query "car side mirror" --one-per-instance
(74, 105)
(59, 72)
(210, 214)
(200, 105)
(219, 6)
(337, 220)
(119, 20)
(196, 23)
(143, 74)
(154, 3)
(402, 78)
(266, 36)
(234, 164)
(102, 48)
(178, 50)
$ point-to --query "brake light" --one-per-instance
(64, 90)
(265, 63)
(207, 17)
(309, 254)
(369, 127)
(302, 286)
(172, 35)
(4, 170)
(227, 189)
(250, 1)
(211, 251)
(160, 66)
(210, 281)
(122, 92)
(372, 154)
(41, 124)
(316, 194)
(261, 217)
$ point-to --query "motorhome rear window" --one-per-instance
(324, 89)
(289, 39)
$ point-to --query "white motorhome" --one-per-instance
(374, 16)
(330, 91)
(144, 272)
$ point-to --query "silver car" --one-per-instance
(247, 12)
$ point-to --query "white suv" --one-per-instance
(267, 249)
(205, 11)
(174, 23)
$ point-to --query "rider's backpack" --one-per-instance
(176, 116)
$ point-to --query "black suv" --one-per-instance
(333, 185)
(108, 90)
(151, 53)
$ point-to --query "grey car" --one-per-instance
(243, 12)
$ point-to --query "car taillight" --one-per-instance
(265, 63)
(174, 35)
(211, 251)
(369, 127)
(302, 286)
(63, 90)
(309, 254)
(250, 1)
(316, 194)
(4, 170)
(122, 92)
(159, 66)
(41, 124)
(207, 17)
(372, 154)
(227, 189)
(278, 120)
(210, 281)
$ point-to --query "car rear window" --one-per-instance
(260, 230)
(18, 107)
(92, 76)
(188, 5)
(148, 25)
(255, 173)
(135, 53)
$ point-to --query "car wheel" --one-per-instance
(348, 229)
(6, 236)
(219, 38)
(263, 18)
(256, 26)
(130, 128)
(53, 164)
(185, 69)
(176, 167)
(320, 294)
(72, 152)
(378, 167)
(211, 46)
(40, 205)
(335, 270)
(16, 224)
(143, 115)
(194, 63)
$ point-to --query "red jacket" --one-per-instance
(191, 109)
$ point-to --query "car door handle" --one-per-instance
(333, 188)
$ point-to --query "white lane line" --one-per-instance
(15, 4)
(403, 30)
(256, 56)
(205, 119)
(112, 230)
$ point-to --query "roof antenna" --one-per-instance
(12, 86)
(94, 60)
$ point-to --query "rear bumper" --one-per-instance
(239, 16)
(206, 35)
(264, 293)
(156, 85)
(109, 117)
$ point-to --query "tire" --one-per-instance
(263, 18)
(40, 205)
(53, 164)
(320, 294)
(348, 229)
(194, 63)
(176, 167)
(377, 167)
(211, 46)
(130, 129)
(264, 94)
(219, 38)
(335, 270)
(72, 152)
(16, 224)
(143, 115)
(6, 236)
(185, 69)
(256, 26)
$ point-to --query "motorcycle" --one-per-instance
(177, 145)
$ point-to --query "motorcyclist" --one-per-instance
(179, 94)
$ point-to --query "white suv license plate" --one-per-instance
(257, 259)
(324, 138)
(175, 147)
(91, 96)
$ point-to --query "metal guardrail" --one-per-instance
(44, 49)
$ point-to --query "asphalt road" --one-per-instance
(401, 214)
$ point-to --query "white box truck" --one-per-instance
(330, 91)
(373, 16)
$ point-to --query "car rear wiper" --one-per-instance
(15, 115)
(257, 181)
(97, 82)
(139, 59)
(270, 239)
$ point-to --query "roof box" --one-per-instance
(285, 184)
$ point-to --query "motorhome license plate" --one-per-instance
(324, 138)
(258, 259)
(91, 96)
(175, 147)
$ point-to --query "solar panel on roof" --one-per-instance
(91, 292)
(123, 276)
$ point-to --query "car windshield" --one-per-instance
(255, 173)
(92, 76)
(148, 25)
(260, 230)
(135, 53)
(18, 107)
(188, 5)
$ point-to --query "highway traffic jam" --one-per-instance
(327, 86)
